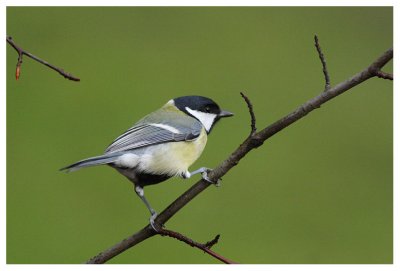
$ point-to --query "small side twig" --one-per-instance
(211, 243)
(204, 247)
(21, 52)
(384, 75)
(252, 115)
(323, 61)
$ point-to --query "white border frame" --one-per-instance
(308, 267)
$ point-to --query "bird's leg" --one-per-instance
(204, 174)
(140, 192)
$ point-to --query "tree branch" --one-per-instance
(250, 143)
(21, 52)
(204, 247)
(384, 75)
(323, 61)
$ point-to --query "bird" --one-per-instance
(161, 145)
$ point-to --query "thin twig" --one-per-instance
(241, 151)
(204, 247)
(22, 52)
(252, 115)
(323, 61)
(214, 241)
(384, 75)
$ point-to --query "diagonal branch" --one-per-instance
(21, 52)
(248, 144)
(323, 61)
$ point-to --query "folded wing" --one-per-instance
(143, 135)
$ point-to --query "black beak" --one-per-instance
(225, 114)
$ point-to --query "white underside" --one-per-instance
(173, 158)
(128, 160)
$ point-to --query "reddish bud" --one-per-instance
(17, 72)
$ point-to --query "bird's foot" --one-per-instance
(204, 175)
(153, 224)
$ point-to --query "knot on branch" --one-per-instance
(255, 142)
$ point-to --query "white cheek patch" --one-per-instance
(166, 127)
(207, 119)
(128, 160)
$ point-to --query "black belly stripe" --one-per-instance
(144, 179)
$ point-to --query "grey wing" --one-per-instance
(142, 135)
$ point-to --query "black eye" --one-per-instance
(208, 109)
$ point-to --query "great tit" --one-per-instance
(161, 145)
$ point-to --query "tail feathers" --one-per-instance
(93, 161)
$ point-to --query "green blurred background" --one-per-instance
(318, 192)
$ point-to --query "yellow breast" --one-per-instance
(173, 158)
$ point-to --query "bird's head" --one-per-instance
(203, 109)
